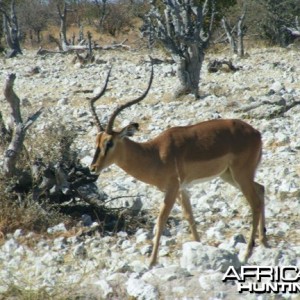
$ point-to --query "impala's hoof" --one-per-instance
(264, 242)
(248, 253)
(152, 263)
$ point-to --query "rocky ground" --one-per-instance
(103, 265)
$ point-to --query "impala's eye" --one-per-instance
(109, 144)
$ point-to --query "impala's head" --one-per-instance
(109, 147)
(108, 141)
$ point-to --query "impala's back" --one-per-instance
(207, 149)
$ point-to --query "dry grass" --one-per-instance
(28, 215)
(21, 211)
(132, 37)
(16, 292)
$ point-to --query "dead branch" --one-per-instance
(12, 98)
(42, 51)
(217, 65)
(75, 48)
(294, 31)
(64, 182)
(116, 46)
(283, 108)
(20, 128)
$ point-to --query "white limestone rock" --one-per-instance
(140, 290)
(196, 256)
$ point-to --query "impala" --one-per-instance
(180, 156)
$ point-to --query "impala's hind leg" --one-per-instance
(260, 189)
(254, 194)
(188, 213)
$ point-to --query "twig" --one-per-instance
(119, 197)
(32, 118)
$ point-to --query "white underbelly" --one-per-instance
(185, 185)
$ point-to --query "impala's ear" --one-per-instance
(129, 130)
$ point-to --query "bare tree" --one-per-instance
(19, 131)
(235, 34)
(11, 28)
(62, 12)
(181, 29)
(102, 12)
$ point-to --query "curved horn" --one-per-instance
(94, 99)
(110, 124)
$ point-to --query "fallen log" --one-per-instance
(74, 48)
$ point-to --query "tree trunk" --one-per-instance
(240, 33)
(38, 36)
(11, 30)
(188, 70)
(183, 32)
(229, 34)
(63, 26)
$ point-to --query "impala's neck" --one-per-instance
(140, 160)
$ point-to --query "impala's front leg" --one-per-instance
(164, 212)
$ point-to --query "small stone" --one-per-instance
(80, 251)
(25, 102)
(59, 243)
(63, 101)
(86, 220)
(209, 282)
(105, 287)
(167, 273)
(140, 290)
(143, 237)
(146, 249)
(86, 160)
(10, 246)
(125, 244)
(164, 251)
(57, 228)
(122, 234)
(138, 267)
(18, 233)
(122, 267)
(276, 87)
